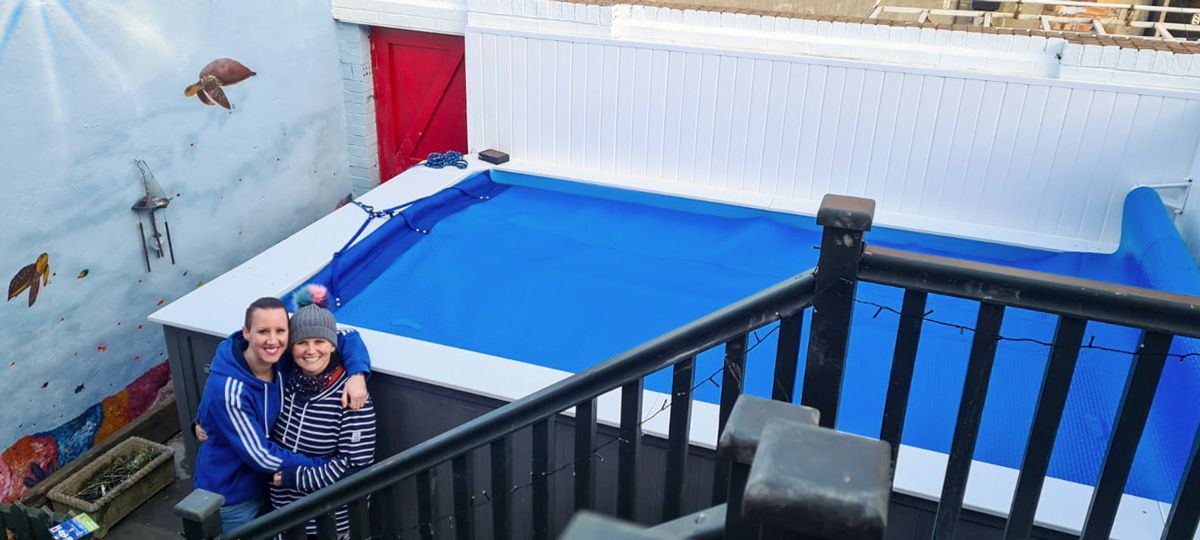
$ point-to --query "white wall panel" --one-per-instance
(1028, 160)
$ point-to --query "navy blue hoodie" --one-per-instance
(237, 411)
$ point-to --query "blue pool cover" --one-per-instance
(566, 275)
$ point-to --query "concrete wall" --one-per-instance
(88, 88)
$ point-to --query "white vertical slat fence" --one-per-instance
(1026, 160)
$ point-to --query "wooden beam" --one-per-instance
(1076, 3)
(1162, 17)
(902, 9)
(1165, 9)
(1064, 19)
(1168, 26)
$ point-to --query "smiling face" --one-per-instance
(312, 355)
(267, 333)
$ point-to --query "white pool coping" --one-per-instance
(217, 309)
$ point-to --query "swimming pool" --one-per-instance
(564, 275)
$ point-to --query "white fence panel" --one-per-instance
(1025, 160)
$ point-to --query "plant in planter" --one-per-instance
(116, 483)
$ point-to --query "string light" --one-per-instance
(962, 329)
(734, 370)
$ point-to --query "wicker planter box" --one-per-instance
(125, 497)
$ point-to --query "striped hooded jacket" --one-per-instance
(317, 425)
(237, 411)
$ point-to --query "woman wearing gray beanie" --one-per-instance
(241, 401)
(312, 421)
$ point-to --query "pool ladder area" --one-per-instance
(779, 470)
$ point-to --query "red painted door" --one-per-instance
(420, 96)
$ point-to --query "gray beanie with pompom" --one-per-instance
(311, 320)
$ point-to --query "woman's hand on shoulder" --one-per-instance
(355, 395)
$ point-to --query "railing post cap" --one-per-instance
(586, 525)
(200, 505)
(823, 482)
(846, 212)
(707, 523)
(749, 416)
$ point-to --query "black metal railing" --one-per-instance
(845, 259)
(1158, 315)
(676, 350)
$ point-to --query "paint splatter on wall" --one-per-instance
(33, 457)
(77, 363)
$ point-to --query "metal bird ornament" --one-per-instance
(32, 277)
(218, 73)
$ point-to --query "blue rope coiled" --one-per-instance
(450, 158)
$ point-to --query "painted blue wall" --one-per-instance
(87, 87)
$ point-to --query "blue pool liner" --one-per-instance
(565, 275)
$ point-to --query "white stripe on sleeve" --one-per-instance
(245, 431)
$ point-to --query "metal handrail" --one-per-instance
(1159, 315)
(765, 307)
(1086, 299)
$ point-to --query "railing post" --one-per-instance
(201, 514)
(731, 389)
(818, 484)
(629, 449)
(500, 453)
(28, 522)
(1185, 510)
(738, 445)
(462, 470)
(844, 219)
(542, 522)
(426, 499)
(1128, 425)
(678, 437)
(14, 519)
(585, 462)
(586, 525)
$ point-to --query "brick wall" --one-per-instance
(359, 97)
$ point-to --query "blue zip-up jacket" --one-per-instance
(237, 411)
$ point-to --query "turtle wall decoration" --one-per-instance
(217, 74)
(32, 277)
